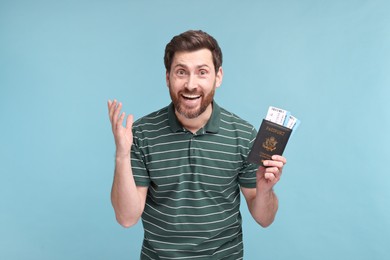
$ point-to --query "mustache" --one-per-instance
(191, 92)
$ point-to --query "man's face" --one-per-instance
(192, 82)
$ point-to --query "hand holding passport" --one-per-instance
(273, 135)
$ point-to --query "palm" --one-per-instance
(122, 134)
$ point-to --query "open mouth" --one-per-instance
(190, 97)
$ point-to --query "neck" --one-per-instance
(194, 124)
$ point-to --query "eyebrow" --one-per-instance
(185, 66)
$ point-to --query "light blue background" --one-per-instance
(326, 61)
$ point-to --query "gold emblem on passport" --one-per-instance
(270, 144)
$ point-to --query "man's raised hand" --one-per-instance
(123, 135)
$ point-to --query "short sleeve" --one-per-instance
(138, 165)
(247, 173)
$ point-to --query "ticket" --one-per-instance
(277, 115)
(292, 122)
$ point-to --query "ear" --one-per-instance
(218, 77)
(167, 78)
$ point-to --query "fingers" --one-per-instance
(279, 158)
(269, 177)
(111, 109)
(119, 119)
(114, 109)
(272, 173)
(273, 168)
(116, 117)
(277, 161)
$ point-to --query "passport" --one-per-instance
(271, 139)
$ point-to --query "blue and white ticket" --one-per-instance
(277, 115)
(282, 117)
(292, 122)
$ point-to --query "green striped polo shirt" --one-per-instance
(193, 200)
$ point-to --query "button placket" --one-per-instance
(192, 149)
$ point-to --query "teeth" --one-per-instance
(191, 96)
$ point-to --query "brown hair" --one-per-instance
(192, 41)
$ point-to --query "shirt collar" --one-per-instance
(212, 126)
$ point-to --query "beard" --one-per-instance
(191, 112)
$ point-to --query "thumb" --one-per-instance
(129, 121)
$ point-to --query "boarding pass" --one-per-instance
(282, 117)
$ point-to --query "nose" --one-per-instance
(191, 82)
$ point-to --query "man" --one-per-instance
(182, 168)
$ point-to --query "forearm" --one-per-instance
(264, 207)
(125, 198)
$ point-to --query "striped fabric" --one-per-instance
(192, 207)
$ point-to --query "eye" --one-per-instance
(181, 72)
(203, 72)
